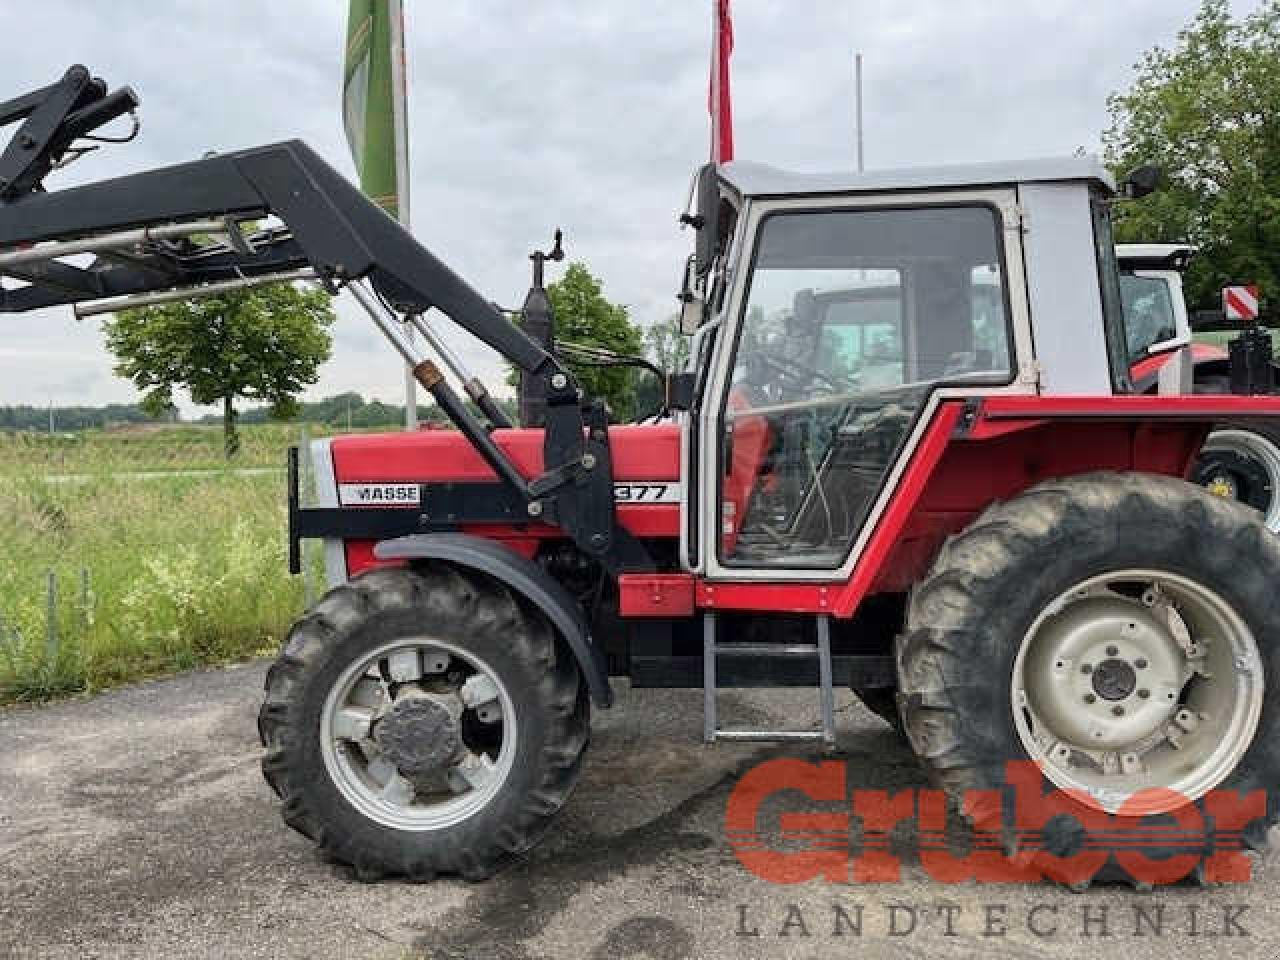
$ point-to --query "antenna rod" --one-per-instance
(857, 96)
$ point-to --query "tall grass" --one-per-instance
(183, 570)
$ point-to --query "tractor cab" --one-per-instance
(1156, 318)
(841, 310)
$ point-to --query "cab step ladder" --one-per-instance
(821, 651)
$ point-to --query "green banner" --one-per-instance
(368, 100)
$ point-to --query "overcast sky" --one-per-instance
(584, 114)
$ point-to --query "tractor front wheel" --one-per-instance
(1120, 631)
(423, 721)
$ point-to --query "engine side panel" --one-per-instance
(646, 465)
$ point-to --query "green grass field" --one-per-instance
(181, 570)
(1220, 338)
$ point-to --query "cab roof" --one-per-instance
(760, 180)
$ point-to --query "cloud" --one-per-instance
(587, 116)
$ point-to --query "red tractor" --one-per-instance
(908, 457)
(1240, 460)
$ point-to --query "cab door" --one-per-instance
(853, 319)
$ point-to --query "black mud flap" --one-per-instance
(524, 577)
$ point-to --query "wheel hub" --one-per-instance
(1222, 485)
(1105, 674)
(1114, 679)
(420, 734)
(1137, 679)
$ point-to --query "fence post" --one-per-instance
(8, 641)
(86, 598)
(51, 617)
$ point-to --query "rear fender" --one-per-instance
(524, 577)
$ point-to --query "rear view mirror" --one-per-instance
(707, 220)
(680, 391)
(1142, 182)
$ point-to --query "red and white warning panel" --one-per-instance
(1240, 303)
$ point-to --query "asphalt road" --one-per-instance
(136, 824)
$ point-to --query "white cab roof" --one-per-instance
(759, 180)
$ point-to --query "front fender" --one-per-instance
(523, 576)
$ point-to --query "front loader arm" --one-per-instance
(337, 230)
(183, 232)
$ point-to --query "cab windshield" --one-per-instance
(844, 303)
(1148, 313)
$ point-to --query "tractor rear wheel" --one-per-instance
(1117, 629)
(1241, 461)
(422, 721)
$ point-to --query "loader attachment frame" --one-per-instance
(182, 232)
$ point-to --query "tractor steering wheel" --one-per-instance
(805, 374)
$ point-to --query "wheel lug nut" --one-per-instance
(1090, 698)
(1118, 711)
(1086, 668)
(1140, 663)
(1144, 694)
(1112, 651)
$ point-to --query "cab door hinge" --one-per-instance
(1017, 219)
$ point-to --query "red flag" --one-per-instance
(720, 102)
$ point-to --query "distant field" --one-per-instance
(182, 570)
(159, 447)
(1220, 338)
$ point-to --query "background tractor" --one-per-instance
(909, 456)
(1240, 459)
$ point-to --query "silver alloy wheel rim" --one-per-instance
(1137, 680)
(1259, 449)
(373, 785)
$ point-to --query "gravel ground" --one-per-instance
(136, 824)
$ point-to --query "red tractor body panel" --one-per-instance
(972, 454)
(1016, 442)
(640, 453)
(1010, 444)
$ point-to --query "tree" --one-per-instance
(666, 346)
(264, 344)
(1206, 111)
(584, 316)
